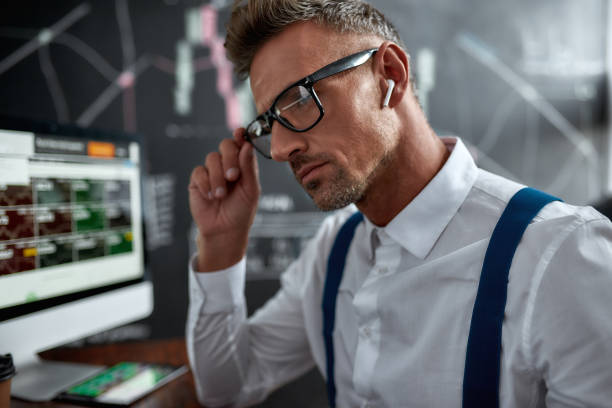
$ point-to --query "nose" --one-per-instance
(284, 142)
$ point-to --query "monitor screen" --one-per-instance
(71, 244)
(69, 215)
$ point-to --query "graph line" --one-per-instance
(46, 35)
(489, 163)
(67, 40)
(496, 125)
(225, 87)
(55, 88)
(89, 54)
(481, 53)
(111, 92)
(128, 79)
(125, 31)
(564, 177)
(532, 141)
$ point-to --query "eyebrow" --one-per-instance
(268, 102)
(267, 105)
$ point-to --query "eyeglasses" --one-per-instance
(298, 107)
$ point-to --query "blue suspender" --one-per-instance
(483, 356)
(335, 269)
(482, 366)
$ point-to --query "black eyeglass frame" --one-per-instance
(336, 67)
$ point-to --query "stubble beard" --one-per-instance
(336, 193)
(342, 189)
(339, 191)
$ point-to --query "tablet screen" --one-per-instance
(123, 383)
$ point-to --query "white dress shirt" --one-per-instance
(405, 303)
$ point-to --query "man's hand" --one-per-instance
(223, 196)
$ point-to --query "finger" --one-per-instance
(248, 167)
(229, 158)
(240, 136)
(215, 175)
(199, 183)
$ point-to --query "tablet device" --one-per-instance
(121, 384)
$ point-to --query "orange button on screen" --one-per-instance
(101, 149)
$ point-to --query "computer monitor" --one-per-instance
(71, 245)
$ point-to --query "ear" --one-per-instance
(392, 62)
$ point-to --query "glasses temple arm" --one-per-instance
(343, 64)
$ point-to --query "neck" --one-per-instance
(417, 158)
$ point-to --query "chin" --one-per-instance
(333, 196)
(325, 206)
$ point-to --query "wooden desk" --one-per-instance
(178, 393)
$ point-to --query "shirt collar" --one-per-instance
(419, 225)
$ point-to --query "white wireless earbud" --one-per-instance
(389, 92)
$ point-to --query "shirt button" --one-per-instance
(382, 270)
(366, 331)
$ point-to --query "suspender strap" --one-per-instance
(483, 356)
(335, 269)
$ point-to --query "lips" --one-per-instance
(307, 169)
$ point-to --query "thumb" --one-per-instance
(248, 168)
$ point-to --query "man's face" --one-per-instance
(337, 161)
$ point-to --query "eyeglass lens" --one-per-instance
(259, 135)
(295, 108)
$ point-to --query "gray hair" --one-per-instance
(253, 22)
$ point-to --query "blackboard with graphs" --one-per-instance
(522, 82)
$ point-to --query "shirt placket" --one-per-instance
(386, 260)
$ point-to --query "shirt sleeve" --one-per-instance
(238, 362)
(571, 338)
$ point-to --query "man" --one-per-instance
(332, 85)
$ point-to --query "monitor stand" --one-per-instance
(39, 380)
